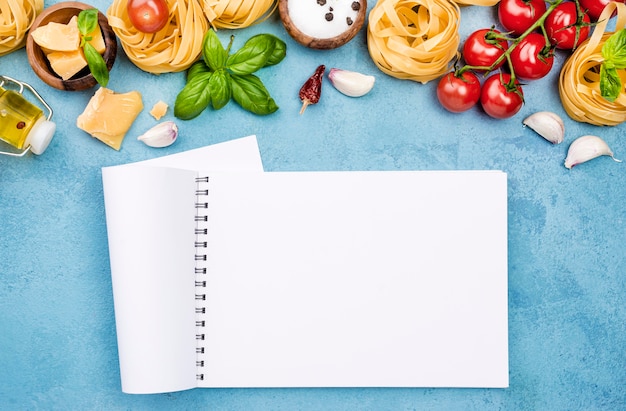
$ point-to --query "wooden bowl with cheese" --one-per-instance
(59, 63)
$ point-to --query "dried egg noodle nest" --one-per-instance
(487, 3)
(414, 40)
(16, 17)
(237, 14)
(179, 44)
(579, 80)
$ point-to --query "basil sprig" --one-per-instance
(221, 76)
(87, 24)
(614, 55)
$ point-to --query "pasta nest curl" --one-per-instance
(179, 44)
(414, 39)
(579, 80)
(16, 18)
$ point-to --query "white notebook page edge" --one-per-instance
(150, 225)
(140, 345)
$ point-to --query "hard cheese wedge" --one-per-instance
(58, 37)
(109, 115)
(67, 63)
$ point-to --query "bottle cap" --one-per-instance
(40, 136)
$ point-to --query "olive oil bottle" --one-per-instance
(23, 124)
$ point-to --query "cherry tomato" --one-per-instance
(567, 26)
(498, 99)
(458, 94)
(148, 16)
(594, 7)
(532, 58)
(516, 16)
(482, 48)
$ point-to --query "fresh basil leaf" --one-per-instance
(194, 97)
(213, 51)
(280, 51)
(87, 21)
(610, 83)
(197, 68)
(220, 87)
(614, 49)
(96, 64)
(252, 56)
(250, 93)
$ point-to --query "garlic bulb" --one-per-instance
(351, 83)
(162, 135)
(548, 125)
(586, 148)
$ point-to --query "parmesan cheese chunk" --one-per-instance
(58, 37)
(158, 110)
(109, 115)
(97, 40)
(67, 63)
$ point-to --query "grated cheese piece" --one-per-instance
(159, 110)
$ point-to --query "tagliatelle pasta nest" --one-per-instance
(179, 44)
(237, 14)
(16, 18)
(414, 39)
(579, 81)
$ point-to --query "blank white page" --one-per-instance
(150, 224)
(357, 279)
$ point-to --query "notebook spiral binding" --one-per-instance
(200, 271)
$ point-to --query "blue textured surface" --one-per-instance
(567, 232)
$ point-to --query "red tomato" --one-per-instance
(458, 94)
(482, 48)
(148, 16)
(566, 26)
(516, 16)
(532, 58)
(594, 7)
(498, 98)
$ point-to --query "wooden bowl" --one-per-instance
(305, 21)
(62, 13)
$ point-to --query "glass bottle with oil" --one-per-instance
(23, 124)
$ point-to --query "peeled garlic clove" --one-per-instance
(162, 135)
(548, 125)
(351, 83)
(586, 148)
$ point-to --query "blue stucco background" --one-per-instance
(567, 232)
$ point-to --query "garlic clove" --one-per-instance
(586, 148)
(162, 135)
(351, 83)
(548, 125)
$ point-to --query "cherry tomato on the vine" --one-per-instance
(516, 16)
(594, 7)
(458, 93)
(498, 98)
(483, 48)
(148, 16)
(567, 26)
(532, 58)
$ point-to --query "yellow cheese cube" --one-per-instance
(58, 37)
(97, 40)
(109, 115)
(158, 110)
(67, 63)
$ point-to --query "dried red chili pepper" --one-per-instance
(311, 90)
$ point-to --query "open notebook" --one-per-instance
(224, 276)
